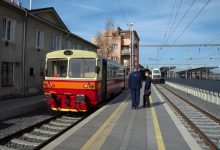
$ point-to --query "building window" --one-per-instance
(31, 72)
(79, 47)
(7, 74)
(114, 46)
(114, 58)
(9, 29)
(59, 42)
(53, 42)
(56, 42)
(68, 44)
(39, 39)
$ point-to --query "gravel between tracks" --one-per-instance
(15, 124)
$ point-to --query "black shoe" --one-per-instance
(144, 105)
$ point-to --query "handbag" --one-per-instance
(147, 92)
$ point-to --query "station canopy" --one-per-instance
(198, 69)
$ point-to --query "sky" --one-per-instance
(156, 22)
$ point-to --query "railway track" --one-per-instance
(40, 134)
(203, 125)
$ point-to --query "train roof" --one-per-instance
(77, 54)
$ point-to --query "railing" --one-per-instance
(210, 96)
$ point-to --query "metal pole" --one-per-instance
(24, 53)
(131, 46)
(30, 4)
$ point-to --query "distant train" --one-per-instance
(78, 80)
(156, 76)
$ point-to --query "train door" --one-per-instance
(104, 79)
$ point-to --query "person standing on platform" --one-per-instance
(135, 84)
(147, 89)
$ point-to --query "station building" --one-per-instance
(26, 37)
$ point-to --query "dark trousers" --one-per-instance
(135, 97)
(146, 99)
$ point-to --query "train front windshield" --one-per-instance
(56, 68)
(82, 68)
(156, 71)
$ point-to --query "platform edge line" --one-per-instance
(183, 131)
(159, 137)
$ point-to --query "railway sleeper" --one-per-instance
(67, 120)
(216, 127)
(53, 127)
(6, 148)
(60, 124)
(45, 131)
(28, 135)
(26, 143)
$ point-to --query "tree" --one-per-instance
(106, 39)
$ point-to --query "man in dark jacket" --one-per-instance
(135, 84)
(147, 89)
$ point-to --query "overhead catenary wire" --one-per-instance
(123, 13)
(194, 18)
(167, 29)
(174, 28)
(180, 21)
(177, 12)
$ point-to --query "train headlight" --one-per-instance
(80, 98)
(91, 85)
(85, 85)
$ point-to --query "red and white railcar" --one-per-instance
(77, 80)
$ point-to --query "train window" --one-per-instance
(156, 71)
(56, 68)
(121, 72)
(82, 68)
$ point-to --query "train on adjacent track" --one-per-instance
(78, 80)
(156, 76)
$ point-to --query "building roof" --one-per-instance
(13, 4)
(135, 32)
(53, 13)
(91, 44)
(56, 21)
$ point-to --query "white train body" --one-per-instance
(156, 76)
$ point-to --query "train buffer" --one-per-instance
(116, 126)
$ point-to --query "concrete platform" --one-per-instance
(118, 127)
(17, 106)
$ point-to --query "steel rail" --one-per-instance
(6, 139)
(212, 117)
(41, 145)
(207, 141)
